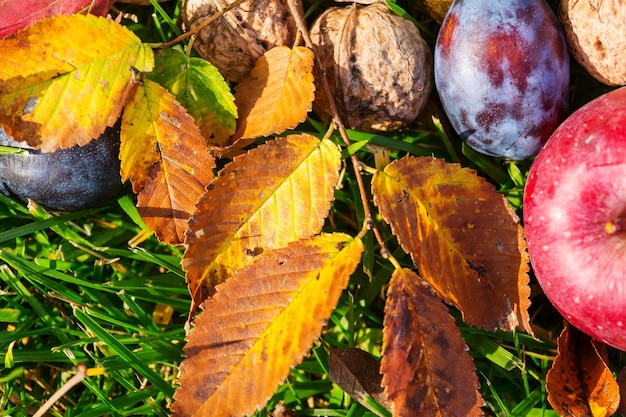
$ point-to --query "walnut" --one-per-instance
(235, 40)
(438, 8)
(377, 64)
(596, 36)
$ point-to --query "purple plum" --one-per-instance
(502, 74)
(67, 179)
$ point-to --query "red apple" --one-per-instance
(575, 218)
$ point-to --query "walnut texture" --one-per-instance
(377, 64)
(236, 40)
(596, 36)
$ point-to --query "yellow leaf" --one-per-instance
(260, 323)
(421, 342)
(165, 157)
(277, 193)
(276, 95)
(57, 90)
(463, 237)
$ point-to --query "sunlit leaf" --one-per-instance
(275, 194)
(463, 237)
(276, 95)
(580, 383)
(245, 342)
(202, 90)
(426, 368)
(57, 90)
(165, 157)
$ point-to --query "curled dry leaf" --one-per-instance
(55, 88)
(463, 237)
(260, 323)
(276, 95)
(580, 383)
(277, 193)
(165, 157)
(426, 368)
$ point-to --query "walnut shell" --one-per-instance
(596, 36)
(377, 64)
(235, 40)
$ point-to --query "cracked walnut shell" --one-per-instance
(238, 38)
(377, 65)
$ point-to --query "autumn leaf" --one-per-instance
(245, 342)
(17, 14)
(165, 157)
(56, 90)
(202, 90)
(462, 236)
(580, 382)
(277, 193)
(276, 95)
(356, 372)
(426, 368)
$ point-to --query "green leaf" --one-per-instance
(202, 90)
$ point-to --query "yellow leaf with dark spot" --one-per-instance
(56, 90)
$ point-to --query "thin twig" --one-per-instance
(202, 25)
(368, 223)
(81, 372)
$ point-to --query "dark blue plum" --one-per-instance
(502, 73)
(68, 179)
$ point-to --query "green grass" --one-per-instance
(92, 287)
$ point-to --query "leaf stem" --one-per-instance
(81, 372)
(368, 223)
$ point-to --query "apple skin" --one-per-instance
(575, 218)
(68, 179)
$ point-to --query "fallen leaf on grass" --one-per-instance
(276, 95)
(580, 383)
(463, 237)
(277, 193)
(426, 368)
(260, 323)
(200, 88)
(165, 157)
(56, 90)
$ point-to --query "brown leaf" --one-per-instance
(276, 95)
(580, 382)
(166, 158)
(356, 372)
(277, 193)
(260, 323)
(426, 368)
(462, 236)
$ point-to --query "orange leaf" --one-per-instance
(277, 193)
(463, 237)
(276, 95)
(56, 90)
(580, 382)
(426, 368)
(166, 158)
(260, 323)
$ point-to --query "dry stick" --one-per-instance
(202, 25)
(356, 163)
(81, 370)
